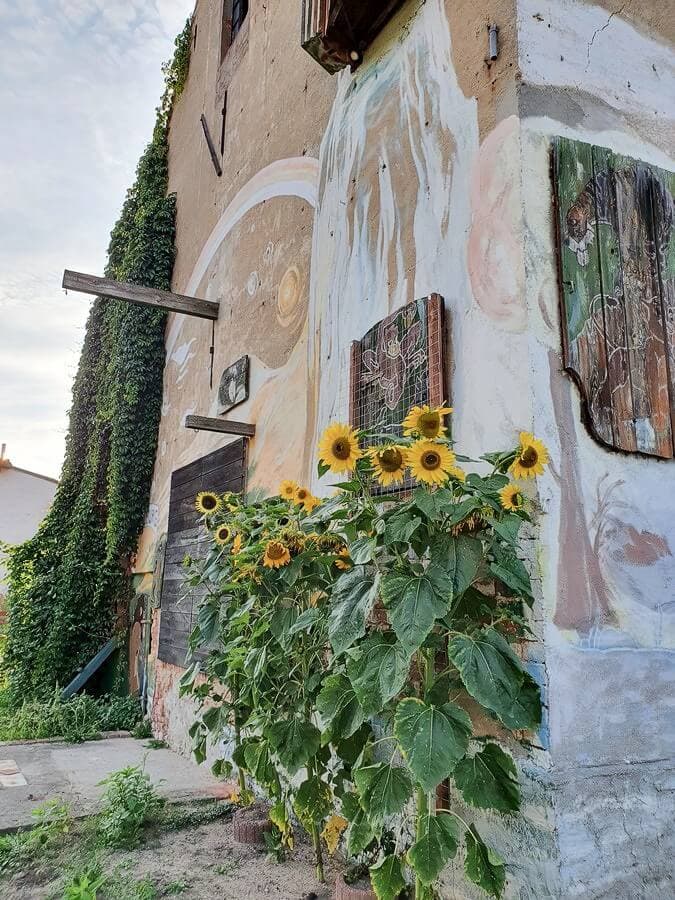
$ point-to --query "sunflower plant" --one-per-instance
(262, 627)
(422, 630)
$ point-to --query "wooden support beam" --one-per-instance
(211, 146)
(203, 423)
(142, 296)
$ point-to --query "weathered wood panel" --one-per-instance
(615, 226)
(142, 296)
(223, 470)
(204, 423)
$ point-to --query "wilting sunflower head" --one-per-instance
(389, 463)
(236, 545)
(310, 503)
(287, 489)
(339, 448)
(344, 562)
(531, 457)
(276, 555)
(222, 534)
(511, 497)
(430, 462)
(425, 421)
(207, 503)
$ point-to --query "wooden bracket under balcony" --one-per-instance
(139, 295)
(223, 426)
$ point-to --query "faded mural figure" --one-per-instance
(388, 365)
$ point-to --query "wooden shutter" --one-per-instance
(617, 270)
(333, 30)
(397, 364)
(224, 470)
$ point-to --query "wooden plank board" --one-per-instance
(642, 303)
(222, 426)
(663, 205)
(582, 289)
(141, 296)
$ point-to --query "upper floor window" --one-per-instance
(234, 16)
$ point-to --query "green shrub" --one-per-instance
(84, 885)
(129, 802)
(79, 719)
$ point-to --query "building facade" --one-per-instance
(434, 168)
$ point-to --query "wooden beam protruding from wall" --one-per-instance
(203, 423)
(142, 296)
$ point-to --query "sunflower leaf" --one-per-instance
(378, 671)
(387, 878)
(383, 790)
(294, 741)
(489, 780)
(483, 865)
(361, 833)
(353, 598)
(435, 846)
(511, 570)
(414, 602)
(338, 707)
(460, 558)
(432, 739)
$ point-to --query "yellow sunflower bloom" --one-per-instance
(287, 489)
(222, 534)
(236, 545)
(425, 421)
(457, 472)
(531, 459)
(207, 503)
(311, 503)
(430, 462)
(511, 497)
(276, 555)
(339, 448)
(344, 563)
(305, 498)
(389, 464)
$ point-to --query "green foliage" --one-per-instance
(84, 885)
(65, 583)
(416, 630)
(52, 822)
(129, 803)
(82, 718)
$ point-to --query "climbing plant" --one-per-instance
(65, 584)
(370, 643)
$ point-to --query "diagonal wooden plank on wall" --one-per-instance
(663, 205)
(582, 289)
(642, 303)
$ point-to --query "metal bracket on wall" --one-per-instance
(212, 148)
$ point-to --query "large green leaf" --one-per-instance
(294, 741)
(361, 550)
(433, 504)
(432, 739)
(384, 791)
(258, 762)
(339, 708)
(378, 671)
(489, 780)
(313, 802)
(435, 846)
(459, 557)
(399, 529)
(483, 865)
(512, 572)
(387, 878)
(353, 597)
(493, 675)
(361, 833)
(414, 602)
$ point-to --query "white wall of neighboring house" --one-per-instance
(25, 498)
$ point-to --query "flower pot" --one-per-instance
(344, 891)
(250, 825)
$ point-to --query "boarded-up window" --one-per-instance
(617, 262)
(399, 363)
(224, 470)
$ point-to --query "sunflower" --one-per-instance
(457, 472)
(430, 462)
(287, 489)
(303, 497)
(426, 421)
(207, 503)
(276, 555)
(339, 448)
(389, 463)
(236, 545)
(531, 457)
(311, 503)
(511, 497)
(344, 563)
(222, 534)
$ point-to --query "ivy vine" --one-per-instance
(67, 585)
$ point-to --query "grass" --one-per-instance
(79, 719)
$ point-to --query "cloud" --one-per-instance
(79, 83)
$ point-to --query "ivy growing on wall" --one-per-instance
(68, 584)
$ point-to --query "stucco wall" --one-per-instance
(428, 171)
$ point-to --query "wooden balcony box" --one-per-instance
(336, 32)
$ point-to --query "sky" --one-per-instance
(79, 83)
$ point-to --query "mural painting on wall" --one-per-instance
(233, 388)
(398, 364)
(617, 262)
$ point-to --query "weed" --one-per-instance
(154, 744)
(227, 868)
(129, 802)
(142, 730)
(175, 888)
(84, 885)
(176, 818)
(52, 821)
